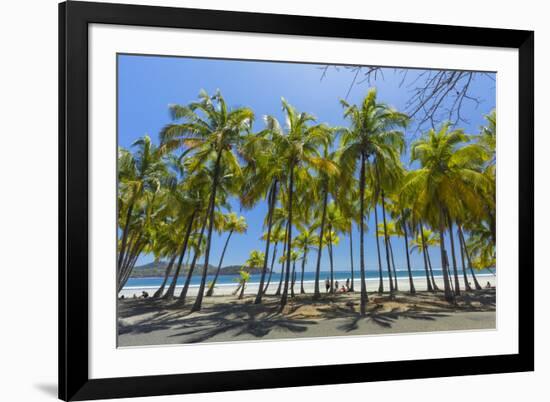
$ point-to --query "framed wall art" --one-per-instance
(257, 201)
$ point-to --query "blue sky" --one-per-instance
(148, 84)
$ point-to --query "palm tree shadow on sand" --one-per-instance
(245, 320)
(384, 319)
(235, 318)
(239, 320)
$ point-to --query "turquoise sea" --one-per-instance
(229, 280)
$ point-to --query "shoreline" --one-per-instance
(226, 289)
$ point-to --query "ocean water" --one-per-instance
(341, 276)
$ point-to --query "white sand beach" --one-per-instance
(252, 288)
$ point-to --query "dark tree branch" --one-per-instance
(435, 96)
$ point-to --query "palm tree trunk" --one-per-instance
(317, 293)
(330, 256)
(124, 239)
(172, 288)
(271, 268)
(272, 197)
(132, 246)
(183, 294)
(412, 290)
(131, 262)
(396, 286)
(243, 286)
(364, 296)
(122, 274)
(212, 205)
(160, 290)
(380, 276)
(210, 291)
(453, 255)
(448, 293)
(351, 289)
(463, 242)
(429, 284)
(385, 229)
(279, 288)
(392, 288)
(131, 243)
(302, 290)
(185, 289)
(434, 283)
(462, 260)
(289, 240)
(293, 278)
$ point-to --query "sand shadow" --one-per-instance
(376, 315)
(236, 318)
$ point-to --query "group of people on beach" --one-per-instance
(144, 295)
(345, 288)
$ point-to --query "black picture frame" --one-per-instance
(74, 18)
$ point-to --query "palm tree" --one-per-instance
(158, 293)
(405, 214)
(255, 260)
(335, 223)
(464, 251)
(294, 255)
(197, 243)
(168, 242)
(189, 197)
(373, 200)
(323, 185)
(480, 245)
(244, 276)
(138, 172)
(488, 137)
(455, 268)
(349, 205)
(299, 144)
(487, 140)
(447, 181)
(211, 132)
(429, 239)
(372, 134)
(148, 223)
(403, 225)
(390, 230)
(467, 285)
(282, 260)
(281, 219)
(386, 176)
(305, 241)
(264, 174)
(277, 236)
(232, 224)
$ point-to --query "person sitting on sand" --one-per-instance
(144, 294)
(135, 297)
(343, 289)
(121, 297)
(488, 286)
(327, 285)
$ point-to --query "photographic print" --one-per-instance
(262, 200)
